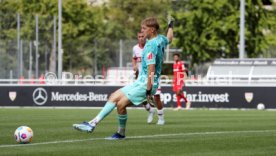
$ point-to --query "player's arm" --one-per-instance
(134, 60)
(150, 61)
(134, 63)
(170, 29)
(186, 71)
(135, 68)
(170, 34)
(183, 70)
(151, 69)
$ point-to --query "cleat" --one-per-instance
(177, 108)
(84, 127)
(161, 122)
(116, 136)
(150, 117)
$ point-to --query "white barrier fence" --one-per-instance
(122, 82)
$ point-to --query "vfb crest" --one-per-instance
(248, 96)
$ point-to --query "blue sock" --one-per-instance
(108, 107)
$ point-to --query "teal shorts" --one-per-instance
(136, 92)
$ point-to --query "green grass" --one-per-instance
(235, 133)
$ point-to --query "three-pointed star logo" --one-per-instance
(40, 96)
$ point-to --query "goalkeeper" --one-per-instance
(136, 62)
(143, 88)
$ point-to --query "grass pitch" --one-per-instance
(193, 133)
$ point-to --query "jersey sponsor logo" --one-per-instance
(150, 57)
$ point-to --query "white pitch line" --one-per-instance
(140, 137)
(52, 142)
(199, 133)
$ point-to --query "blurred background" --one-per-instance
(100, 34)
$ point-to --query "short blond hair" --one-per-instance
(151, 22)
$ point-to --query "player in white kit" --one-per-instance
(136, 62)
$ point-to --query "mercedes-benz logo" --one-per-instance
(40, 96)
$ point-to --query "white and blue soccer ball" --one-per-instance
(23, 134)
(260, 106)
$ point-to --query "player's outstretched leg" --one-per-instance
(84, 127)
(90, 126)
(107, 109)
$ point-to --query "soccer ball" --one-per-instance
(23, 134)
(260, 106)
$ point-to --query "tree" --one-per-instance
(8, 46)
(123, 17)
(210, 29)
(7, 20)
(270, 29)
(81, 24)
(121, 20)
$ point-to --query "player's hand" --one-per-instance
(170, 21)
(136, 74)
(150, 98)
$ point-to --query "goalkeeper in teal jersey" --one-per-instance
(143, 88)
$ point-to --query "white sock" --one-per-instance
(147, 106)
(122, 131)
(151, 110)
(160, 114)
(94, 121)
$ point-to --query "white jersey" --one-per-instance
(137, 54)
